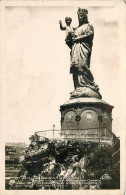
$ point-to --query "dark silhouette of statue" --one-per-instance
(69, 31)
(80, 40)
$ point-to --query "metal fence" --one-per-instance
(83, 135)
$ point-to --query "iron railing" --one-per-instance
(86, 135)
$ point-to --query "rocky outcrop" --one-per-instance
(56, 164)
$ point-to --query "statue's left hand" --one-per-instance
(75, 39)
(78, 38)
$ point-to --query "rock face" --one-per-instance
(72, 164)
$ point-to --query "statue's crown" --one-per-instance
(82, 11)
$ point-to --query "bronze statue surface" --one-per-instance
(80, 41)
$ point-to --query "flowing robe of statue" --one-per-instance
(80, 42)
(80, 57)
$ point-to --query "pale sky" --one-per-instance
(35, 74)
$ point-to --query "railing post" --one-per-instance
(53, 131)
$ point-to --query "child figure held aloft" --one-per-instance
(69, 30)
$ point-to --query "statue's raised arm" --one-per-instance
(69, 31)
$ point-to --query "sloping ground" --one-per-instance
(14, 153)
(73, 164)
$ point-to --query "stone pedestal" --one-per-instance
(87, 119)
